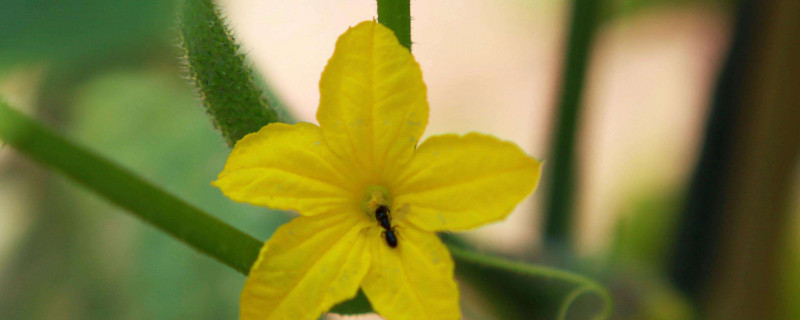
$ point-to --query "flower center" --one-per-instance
(377, 205)
(376, 196)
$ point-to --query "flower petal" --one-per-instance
(461, 182)
(287, 167)
(414, 280)
(308, 265)
(373, 104)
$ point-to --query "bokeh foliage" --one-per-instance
(68, 31)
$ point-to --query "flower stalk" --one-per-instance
(396, 15)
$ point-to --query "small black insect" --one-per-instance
(390, 235)
(383, 215)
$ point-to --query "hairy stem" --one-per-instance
(228, 87)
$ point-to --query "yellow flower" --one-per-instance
(359, 181)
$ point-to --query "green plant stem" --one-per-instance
(191, 225)
(559, 200)
(396, 15)
(183, 221)
(227, 85)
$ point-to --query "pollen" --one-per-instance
(375, 197)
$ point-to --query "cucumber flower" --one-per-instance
(370, 199)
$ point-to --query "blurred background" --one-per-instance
(684, 205)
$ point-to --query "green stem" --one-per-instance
(396, 15)
(558, 206)
(122, 187)
(227, 85)
(191, 225)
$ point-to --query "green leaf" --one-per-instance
(517, 290)
(227, 85)
(357, 305)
